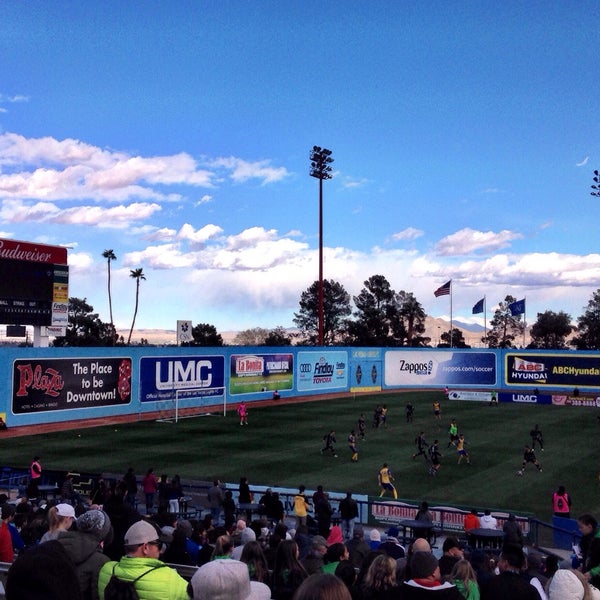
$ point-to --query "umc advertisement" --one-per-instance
(59, 384)
(164, 377)
(440, 367)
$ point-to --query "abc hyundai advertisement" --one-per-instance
(538, 370)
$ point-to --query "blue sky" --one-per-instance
(177, 134)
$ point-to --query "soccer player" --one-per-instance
(385, 481)
(329, 441)
(383, 416)
(352, 446)
(421, 446)
(410, 411)
(362, 426)
(435, 455)
(530, 457)
(437, 411)
(536, 436)
(462, 451)
(377, 416)
(453, 433)
(242, 411)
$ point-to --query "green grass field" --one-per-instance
(281, 447)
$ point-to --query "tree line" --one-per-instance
(378, 317)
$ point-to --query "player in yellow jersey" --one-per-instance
(352, 446)
(462, 451)
(437, 411)
(385, 479)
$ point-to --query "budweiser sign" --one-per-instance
(15, 250)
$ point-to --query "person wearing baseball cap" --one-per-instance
(154, 579)
(60, 518)
(226, 579)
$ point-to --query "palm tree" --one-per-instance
(137, 274)
(109, 255)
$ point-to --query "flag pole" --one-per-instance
(524, 319)
(451, 327)
(485, 321)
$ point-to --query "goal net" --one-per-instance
(193, 402)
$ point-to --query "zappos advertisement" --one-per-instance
(423, 368)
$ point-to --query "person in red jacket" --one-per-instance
(7, 553)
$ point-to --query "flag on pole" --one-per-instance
(517, 308)
(478, 308)
(443, 290)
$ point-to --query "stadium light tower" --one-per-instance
(596, 186)
(320, 167)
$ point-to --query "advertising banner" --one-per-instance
(366, 368)
(439, 367)
(572, 370)
(525, 398)
(161, 377)
(324, 370)
(250, 373)
(566, 400)
(471, 396)
(58, 384)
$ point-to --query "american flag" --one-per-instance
(444, 290)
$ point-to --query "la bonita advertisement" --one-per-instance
(322, 370)
(162, 377)
(59, 384)
(256, 372)
(413, 367)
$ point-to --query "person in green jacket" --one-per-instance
(464, 578)
(158, 581)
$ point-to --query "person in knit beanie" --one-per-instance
(84, 546)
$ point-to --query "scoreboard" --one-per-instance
(34, 284)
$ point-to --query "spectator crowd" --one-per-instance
(77, 548)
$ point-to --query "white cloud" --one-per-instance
(469, 240)
(15, 211)
(350, 183)
(410, 233)
(198, 236)
(242, 170)
(4, 98)
(50, 169)
(204, 200)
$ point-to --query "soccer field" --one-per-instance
(281, 447)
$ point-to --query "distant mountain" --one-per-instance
(468, 326)
(434, 327)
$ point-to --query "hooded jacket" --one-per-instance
(87, 556)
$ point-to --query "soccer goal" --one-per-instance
(192, 402)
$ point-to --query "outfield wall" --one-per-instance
(50, 385)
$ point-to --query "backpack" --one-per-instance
(119, 589)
